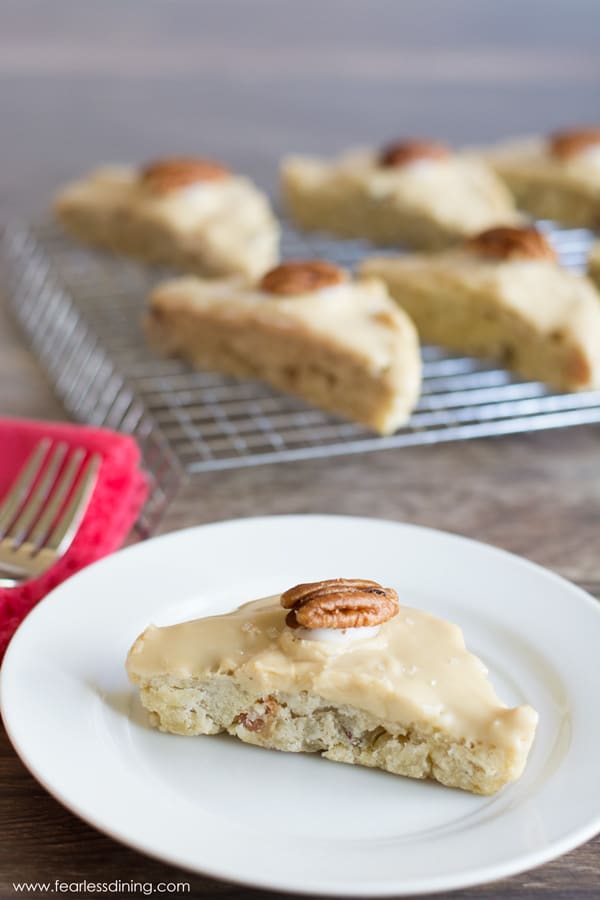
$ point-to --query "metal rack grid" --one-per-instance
(81, 314)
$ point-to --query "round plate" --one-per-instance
(295, 821)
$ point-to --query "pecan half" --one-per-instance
(507, 242)
(569, 143)
(302, 277)
(339, 603)
(400, 153)
(166, 175)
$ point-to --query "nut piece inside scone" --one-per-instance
(339, 603)
(507, 242)
(165, 175)
(569, 143)
(302, 277)
(401, 153)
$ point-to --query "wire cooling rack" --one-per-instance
(81, 313)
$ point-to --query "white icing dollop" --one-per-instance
(590, 155)
(331, 293)
(336, 635)
(422, 166)
(199, 190)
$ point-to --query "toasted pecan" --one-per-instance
(302, 277)
(256, 719)
(571, 142)
(166, 175)
(339, 603)
(400, 153)
(507, 242)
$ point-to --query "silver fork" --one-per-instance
(43, 509)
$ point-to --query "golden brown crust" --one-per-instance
(165, 175)
(400, 153)
(302, 277)
(507, 242)
(571, 142)
(339, 603)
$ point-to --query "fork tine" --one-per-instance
(65, 529)
(36, 500)
(26, 479)
(61, 491)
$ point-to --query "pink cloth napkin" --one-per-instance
(118, 496)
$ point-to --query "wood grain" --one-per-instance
(83, 83)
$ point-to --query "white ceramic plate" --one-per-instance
(298, 822)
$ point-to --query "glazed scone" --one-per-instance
(555, 177)
(416, 193)
(337, 667)
(594, 263)
(307, 329)
(502, 295)
(189, 214)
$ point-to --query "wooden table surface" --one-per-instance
(246, 81)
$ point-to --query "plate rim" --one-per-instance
(475, 876)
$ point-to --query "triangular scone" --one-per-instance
(555, 177)
(412, 192)
(341, 670)
(189, 214)
(502, 295)
(307, 329)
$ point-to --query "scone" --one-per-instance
(338, 668)
(502, 295)
(594, 263)
(306, 328)
(416, 193)
(189, 214)
(555, 177)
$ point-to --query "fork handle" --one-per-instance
(10, 577)
(6, 582)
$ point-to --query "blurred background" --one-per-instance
(247, 80)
